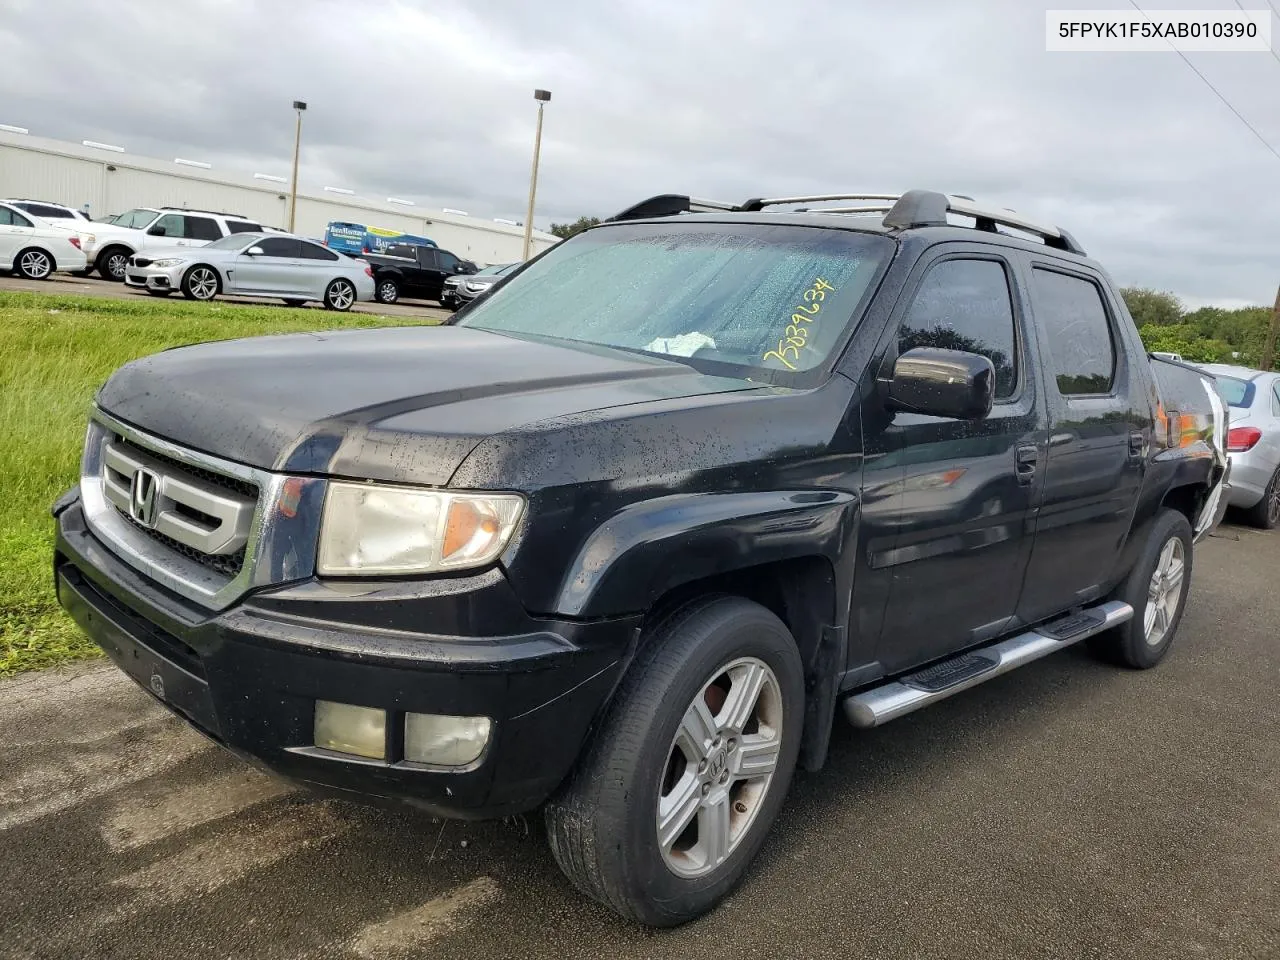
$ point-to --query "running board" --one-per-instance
(879, 705)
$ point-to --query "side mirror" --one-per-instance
(943, 383)
(157, 231)
(254, 252)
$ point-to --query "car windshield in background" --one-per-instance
(490, 271)
(776, 298)
(137, 219)
(1237, 393)
(233, 241)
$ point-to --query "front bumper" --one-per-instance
(154, 278)
(249, 676)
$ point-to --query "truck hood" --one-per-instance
(396, 404)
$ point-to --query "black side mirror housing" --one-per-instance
(943, 383)
(157, 231)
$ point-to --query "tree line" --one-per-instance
(1206, 335)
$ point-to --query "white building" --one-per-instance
(112, 182)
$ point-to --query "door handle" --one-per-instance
(1137, 445)
(1025, 459)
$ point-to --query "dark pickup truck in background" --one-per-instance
(411, 270)
(624, 537)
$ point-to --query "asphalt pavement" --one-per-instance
(64, 284)
(1067, 810)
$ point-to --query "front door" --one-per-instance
(955, 497)
(15, 231)
(1099, 434)
(273, 272)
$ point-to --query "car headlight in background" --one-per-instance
(371, 530)
(171, 262)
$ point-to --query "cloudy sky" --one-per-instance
(432, 100)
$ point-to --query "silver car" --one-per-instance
(464, 289)
(1253, 439)
(254, 265)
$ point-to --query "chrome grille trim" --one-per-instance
(277, 534)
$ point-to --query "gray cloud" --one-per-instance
(729, 98)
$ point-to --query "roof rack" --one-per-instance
(216, 213)
(915, 208)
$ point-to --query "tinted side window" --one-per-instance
(49, 213)
(202, 228)
(405, 250)
(6, 217)
(446, 260)
(1275, 399)
(965, 305)
(279, 247)
(1079, 335)
(172, 224)
(427, 258)
(313, 251)
(243, 226)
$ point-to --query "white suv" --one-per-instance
(110, 244)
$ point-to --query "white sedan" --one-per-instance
(33, 248)
(254, 265)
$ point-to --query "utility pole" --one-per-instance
(542, 96)
(1269, 348)
(299, 106)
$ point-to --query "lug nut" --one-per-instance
(706, 788)
(702, 766)
(732, 743)
(724, 777)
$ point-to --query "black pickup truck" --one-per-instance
(624, 538)
(409, 270)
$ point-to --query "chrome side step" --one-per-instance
(879, 705)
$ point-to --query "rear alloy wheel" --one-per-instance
(112, 263)
(34, 264)
(388, 291)
(200, 283)
(677, 788)
(340, 295)
(1265, 514)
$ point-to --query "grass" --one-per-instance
(55, 351)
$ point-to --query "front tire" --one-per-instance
(112, 263)
(201, 283)
(34, 264)
(676, 791)
(1265, 514)
(340, 295)
(388, 291)
(1157, 589)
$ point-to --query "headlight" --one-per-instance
(171, 262)
(368, 530)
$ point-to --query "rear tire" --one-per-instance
(679, 751)
(112, 263)
(1265, 514)
(340, 295)
(201, 283)
(1157, 589)
(388, 291)
(34, 264)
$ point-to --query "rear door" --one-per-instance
(15, 230)
(948, 502)
(198, 230)
(1100, 432)
(274, 272)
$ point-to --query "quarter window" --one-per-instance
(12, 218)
(965, 305)
(243, 226)
(1074, 318)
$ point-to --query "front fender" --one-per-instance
(649, 548)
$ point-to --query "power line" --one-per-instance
(1217, 93)
(1271, 50)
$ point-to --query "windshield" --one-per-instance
(495, 270)
(137, 219)
(767, 297)
(1237, 393)
(233, 241)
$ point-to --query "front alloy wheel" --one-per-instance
(35, 265)
(200, 283)
(114, 264)
(719, 768)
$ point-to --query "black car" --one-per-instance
(463, 289)
(406, 270)
(625, 537)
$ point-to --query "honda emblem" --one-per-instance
(143, 497)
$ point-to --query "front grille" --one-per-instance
(228, 564)
(234, 484)
(140, 261)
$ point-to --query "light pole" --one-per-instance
(542, 96)
(299, 106)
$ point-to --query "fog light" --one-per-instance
(361, 731)
(444, 741)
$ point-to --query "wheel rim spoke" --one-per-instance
(1149, 618)
(748, 680)
(677, 809)
(757, 757)
(714, 824)
(697, 730)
